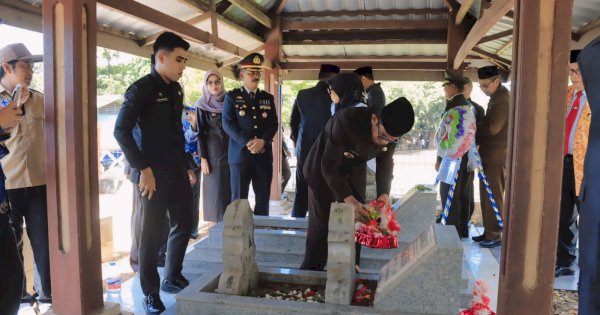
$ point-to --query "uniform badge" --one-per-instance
(242, 113)
(239, 97)
(264, 115)
(256, 60)
(179, 93)
(384, 149)
(348, 155)
(160, 94)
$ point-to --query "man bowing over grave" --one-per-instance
(350, 138)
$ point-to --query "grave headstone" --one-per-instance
(240, 272)
(341, 255)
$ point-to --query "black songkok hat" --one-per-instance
(398, 117)
(363, 70)
(574, 55)
(487, 72)
(329, 68)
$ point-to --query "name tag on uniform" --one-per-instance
(162, 100)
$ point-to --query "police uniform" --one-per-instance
(333, 168)
(150, 133)
(250, 115)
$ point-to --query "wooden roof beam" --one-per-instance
(507, 63)
(481, 27)
(149, 40)
(462, 12)
(364, 13)
(290, 25)
(223, 6)
(278, 7)
(252, 10)
(492, 37)
(364, 58)
(187, 31)
(377, 65)
(364, 37)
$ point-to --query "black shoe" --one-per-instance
(464, 234)
(174, 286)
(563, 271)
(194, 235)
(45, 299)
(28, 298)
(153, 304)
(490, 243)
(478, 239)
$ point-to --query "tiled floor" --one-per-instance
(483, 264)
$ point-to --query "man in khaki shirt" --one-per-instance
(25, 166)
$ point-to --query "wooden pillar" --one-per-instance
(273, 85)
(72, 155)
(540, 59)
(456, 36)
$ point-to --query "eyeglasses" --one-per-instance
(215, 82)
(383, 137)
(486, 85)
(574, 71)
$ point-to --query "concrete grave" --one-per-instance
(341, 255)
(425, 277)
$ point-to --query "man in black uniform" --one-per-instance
(250, 119)
(479, 116)
(152, 112)
(375, 95)
(311, 111)
(351, 138)
(459, 209)
(589, 228)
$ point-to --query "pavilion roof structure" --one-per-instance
(400, 39)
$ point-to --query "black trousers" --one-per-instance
(29, 205)
(319, 208)
(301, 196)
(260, 173)
(173, 195)
(589, 246)
(460, 207)
(196, 200)
(11, 269)
(566, 251)
(286, 173)
(136, 231)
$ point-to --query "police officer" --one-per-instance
(375, 95)
(250, 120)
(311, 111)
(350, 138)
(152, 112)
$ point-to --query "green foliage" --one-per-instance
(289, 91)
(115, 78)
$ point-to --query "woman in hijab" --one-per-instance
(346, 90)
(213, 145)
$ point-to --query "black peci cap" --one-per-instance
(487, 72)
(363, 70)
(329, 68)
(398, 117)
(253, 62)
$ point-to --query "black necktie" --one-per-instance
(252, 94)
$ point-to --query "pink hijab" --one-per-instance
(208, 102)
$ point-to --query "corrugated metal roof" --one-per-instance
(367, 50)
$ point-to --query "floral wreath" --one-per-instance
(456, 132)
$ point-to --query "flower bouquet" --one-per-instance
(480, 304)
(379, 228)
